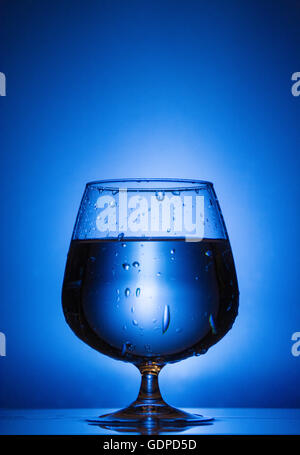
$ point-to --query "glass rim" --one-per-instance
(163, 184)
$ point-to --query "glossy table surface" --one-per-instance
(227, 421)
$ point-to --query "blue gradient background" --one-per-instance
(189, 89)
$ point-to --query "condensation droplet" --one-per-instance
(166, 319)
(126, 266)
(138, 292)
(135, 264)
(127, 292)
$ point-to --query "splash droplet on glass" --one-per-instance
(172, 251)
(166, 319)
(138, 292)
(135, 264)
(132, 309)
(121, 236)
(126, 266)
(134, 322)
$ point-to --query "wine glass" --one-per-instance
(150, 279)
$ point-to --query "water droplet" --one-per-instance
(196, 278)
(132, 309)
(229, 307)
(124, 245)
(169, 230)
(124, 327)
(212, 324)
(172, 251)
(158, 274)
(178, 330)
(92, 259)
(127, 292)
(166, 319)
(127, 346)
(121, 236)
(135, 264)
(160, 195)
(208, 253)
(118, 291)
(134, 322)
(154, 321)
(138, 292)
(176, 193)
(115, 192)
(126, 266)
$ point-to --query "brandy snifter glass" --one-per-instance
(150, 279)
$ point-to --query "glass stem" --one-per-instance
(149, 393)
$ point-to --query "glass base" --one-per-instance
(149, 413)
(150, 418)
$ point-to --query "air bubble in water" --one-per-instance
(166, 319)
(138, 292)
(127, 292)
(125, 266)
(160, 195)
(135, 264)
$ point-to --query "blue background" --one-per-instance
(188, 89)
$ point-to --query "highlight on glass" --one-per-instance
(150, 279)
